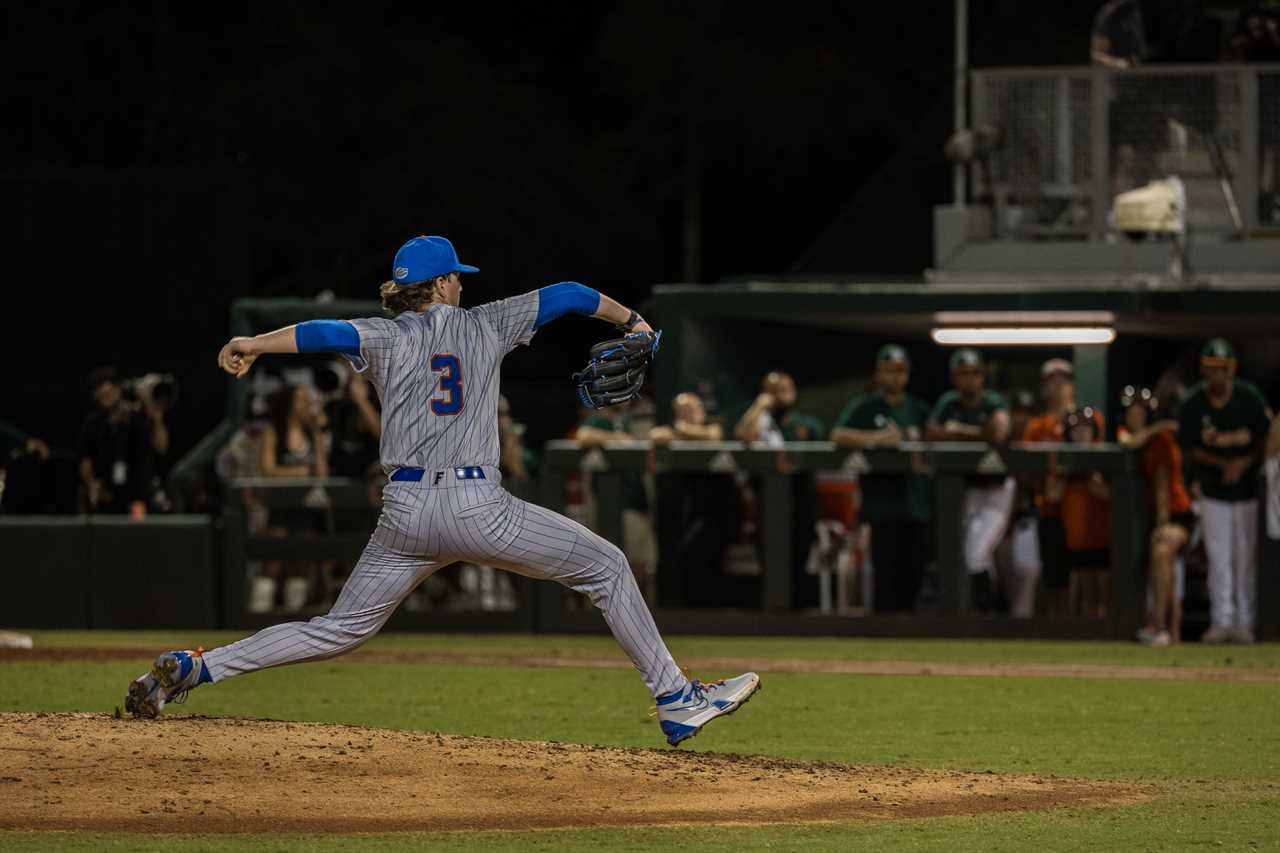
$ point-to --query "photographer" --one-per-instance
(116, 449)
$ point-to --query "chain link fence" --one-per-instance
(1269, 148)
(1067, 140)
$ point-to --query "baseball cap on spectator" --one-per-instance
(424, 258)
(1217, 353)
(966, 358)
(892, 352)
(1055, 366)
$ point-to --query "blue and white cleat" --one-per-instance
(682, 715)
(171, 677)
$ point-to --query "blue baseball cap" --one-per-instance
(424, 258)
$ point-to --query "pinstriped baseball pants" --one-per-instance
(424, 528)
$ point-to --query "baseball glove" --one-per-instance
(615, 369)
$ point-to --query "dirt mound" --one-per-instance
(185, 774)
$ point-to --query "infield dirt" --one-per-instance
(185, 774)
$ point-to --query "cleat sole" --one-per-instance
(138, 702)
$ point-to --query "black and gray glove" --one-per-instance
(616, 369)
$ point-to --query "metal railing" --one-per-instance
(546, 607)
(950, 463)
(1071, 137)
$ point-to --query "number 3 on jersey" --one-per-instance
(450, 370)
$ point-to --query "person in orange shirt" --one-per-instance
(1086, 519)
(1058, 390)
(1171, 508)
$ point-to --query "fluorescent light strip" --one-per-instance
(995, 336)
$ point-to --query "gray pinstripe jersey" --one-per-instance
(436, 374)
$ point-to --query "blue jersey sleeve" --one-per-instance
(567, 297)
(327, 336)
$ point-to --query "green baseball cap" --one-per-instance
(1218, 350)
(892, 352)
(966, 358)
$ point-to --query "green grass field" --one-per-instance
(1210, 750)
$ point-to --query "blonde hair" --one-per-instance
(399, 298)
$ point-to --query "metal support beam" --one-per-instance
(1091, 378)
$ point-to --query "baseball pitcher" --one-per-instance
(435, 368)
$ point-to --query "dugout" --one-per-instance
(825, 333)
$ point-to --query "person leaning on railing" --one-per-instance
(1086, 520)
(295, 443)
(697, 513)
(971, 412)
(896, 506)
(1058, 391)
(1172, 518)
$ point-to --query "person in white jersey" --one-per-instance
(435, 367)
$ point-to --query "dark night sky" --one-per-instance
(160, 161)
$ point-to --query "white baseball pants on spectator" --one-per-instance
(1025, 566)
(1231, 546)
(983, 519)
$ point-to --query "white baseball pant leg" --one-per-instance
(423, 529)
(1230, 544)
(984, 516)
(1244, 561)
(1026, 567)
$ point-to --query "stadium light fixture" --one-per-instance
(994, 336)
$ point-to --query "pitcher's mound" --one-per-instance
(196, 774)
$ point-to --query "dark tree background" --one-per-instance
(161, 160)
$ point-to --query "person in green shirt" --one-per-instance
(1222, 428)
(896, 506)
(972, 413)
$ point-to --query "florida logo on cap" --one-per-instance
(424, 258)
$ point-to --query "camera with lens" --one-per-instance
(157, 389)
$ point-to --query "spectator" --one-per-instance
(696, 516)
(772, 418)
(1119, 36)
(1222, 427)
(295, 443)
(356, 423)
(1172, 518)
(1257, 39)
(897, 507)
(1257, 35)
(1272, 473)
(689, 422)
(639, 543)
(1018, 558)
(516, 462)
(14, 440)
(115, 449)
(1086, 521)
(970, 412)
(1058, 391)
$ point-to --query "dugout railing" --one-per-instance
(546, 607)
(950, 465)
